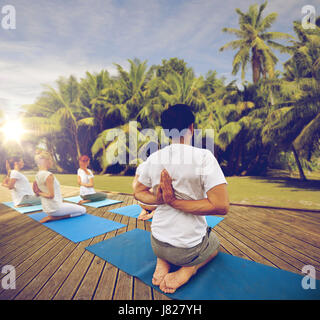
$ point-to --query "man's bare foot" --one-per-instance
(172, 281)
(162, 269)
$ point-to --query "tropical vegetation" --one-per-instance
(271, 122)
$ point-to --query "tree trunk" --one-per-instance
(255, 66)
(302, 175)
(53, 154)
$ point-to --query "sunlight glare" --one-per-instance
(13, 130)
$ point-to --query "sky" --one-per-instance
(63, 37)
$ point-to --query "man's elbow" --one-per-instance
(136, 194)
(225, 208)
(222, 209)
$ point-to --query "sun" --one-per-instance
(13, 131)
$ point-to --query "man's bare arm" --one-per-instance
(217, 201)
(142, 193)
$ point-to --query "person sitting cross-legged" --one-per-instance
(85, 180)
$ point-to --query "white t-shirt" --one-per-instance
(85, 178)
(194, 172)
(49, 205)
(140, 168)
(21, 188)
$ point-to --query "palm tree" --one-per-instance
(295, 123)
(185, 88)
(255, 43)
(113, 146)
(132, 84)
(56, 114)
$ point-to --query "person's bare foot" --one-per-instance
(46, 219)
(23, 205)
(162, 269)
(172, 281)
(144, 215)
(51, 218)
(83, 201)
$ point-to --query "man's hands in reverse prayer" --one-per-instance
(165, 192)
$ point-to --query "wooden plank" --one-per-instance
(52, 286)
(260, 248)
(43, 257)
(286, 237)
(282, 254)
(88, 286)
(277, 242)
(291, 236)
(244, 248)
(70, 286)
(18, 256)
(19, 232)
(33, 287)
(13, 249)
(124, 284)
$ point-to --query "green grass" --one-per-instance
(278, 192)
(107, 183)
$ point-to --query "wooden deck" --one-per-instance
(48, 266)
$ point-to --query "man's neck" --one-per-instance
(181, 140)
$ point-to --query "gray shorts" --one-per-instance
(186, 257)
(98, 196)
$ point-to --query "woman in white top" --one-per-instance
(48, 188)
(85, 181)
(22, 194)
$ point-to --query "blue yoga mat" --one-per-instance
(131, 211)
(23, 209)
(134, 210)
(79, 228)
(212, 221)
(97, 204)
(225, 278)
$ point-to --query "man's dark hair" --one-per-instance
(178, 117)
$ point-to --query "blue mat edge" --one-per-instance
(47, 225)
(23, 210)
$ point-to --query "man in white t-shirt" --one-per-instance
(147, 211)
(189, 184)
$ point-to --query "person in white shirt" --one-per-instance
(189, 184)
(48, 188)
(21, 190)
(85, 181)
(147, 210)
